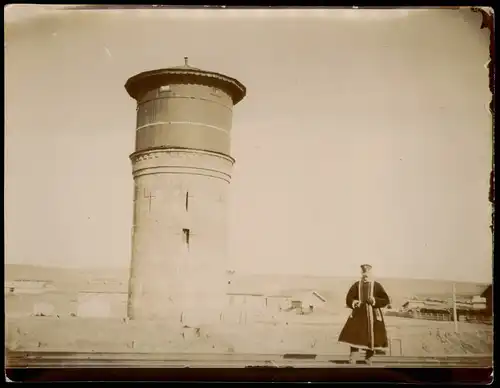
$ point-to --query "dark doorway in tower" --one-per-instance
(186, 234)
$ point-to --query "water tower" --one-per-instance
(182, 170)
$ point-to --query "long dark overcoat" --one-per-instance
(365, 327)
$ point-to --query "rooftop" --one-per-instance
(488, 290)
(184, 67)
(144, 82)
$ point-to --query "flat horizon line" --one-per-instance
(347, 277)
(119, 268)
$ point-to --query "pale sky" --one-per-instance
(365, 136)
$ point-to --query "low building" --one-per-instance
(102, 298)
(306, 302)
(296, 304)
(412, 305)
(244, 307)
(44, 298)
(276, 303)
(467, 310)
(27, 286)
(426, 309)
(102, 304)
(488, 295)
(479, 303)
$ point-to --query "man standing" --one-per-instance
(365, 327)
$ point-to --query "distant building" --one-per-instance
(277, 303)
(472, 310)
(412, 305)
(479, 303)
(423, 309)
(101, 304)
(44, 298)
(307, 301)
(296, 304)
(27, 286)
(244, 306)
(488, 295)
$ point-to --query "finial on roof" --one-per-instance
(186, 61)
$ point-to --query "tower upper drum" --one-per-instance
(184, 107)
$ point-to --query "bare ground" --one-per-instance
(409, 337)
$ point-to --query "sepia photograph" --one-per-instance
(223, 188)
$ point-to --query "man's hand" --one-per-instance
(356, 304)
(371, 301)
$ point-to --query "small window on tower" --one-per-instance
(215, 92)
(186, 233)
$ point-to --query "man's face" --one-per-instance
(366, 274)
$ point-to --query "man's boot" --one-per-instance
(369, 356)
(353, 356)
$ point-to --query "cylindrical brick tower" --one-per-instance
(182, 169)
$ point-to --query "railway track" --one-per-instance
(20, 359)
